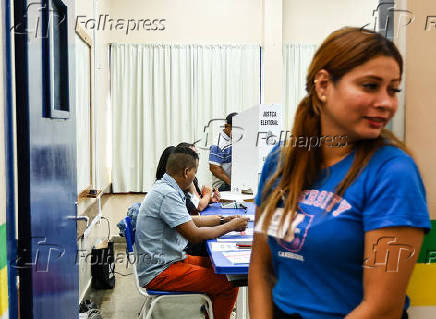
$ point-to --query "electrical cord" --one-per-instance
(108, 237)
(108, 227)
(124, 275)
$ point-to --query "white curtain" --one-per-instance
(165, 94)
(296, 61)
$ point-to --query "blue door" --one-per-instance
(46, 149)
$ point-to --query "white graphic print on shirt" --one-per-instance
(293, 235)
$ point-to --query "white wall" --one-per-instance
(272, 57)
(98, 232)
(420, 94)
(188, 21)
(85, 11)
(310, 21)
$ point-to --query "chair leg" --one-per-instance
(144, 307)
(152, 304)
(209, 307)
(147, 303)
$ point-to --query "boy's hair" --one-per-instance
(229, 118)
(185, 144)
(161, 167)
(181, 158)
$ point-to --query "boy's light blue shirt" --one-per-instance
(158, 244)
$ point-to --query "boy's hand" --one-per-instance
(216, 196)
(206, 191)
(239, 223)
(230, 217)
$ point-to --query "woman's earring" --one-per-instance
(323, 98)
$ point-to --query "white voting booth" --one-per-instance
(255, 132)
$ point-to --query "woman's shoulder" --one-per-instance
(389, 155)
(272, 159)
(275, 152)
(391, 163)
(394, 191)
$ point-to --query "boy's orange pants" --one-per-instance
(195, 274)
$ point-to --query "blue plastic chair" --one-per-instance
(152, 297)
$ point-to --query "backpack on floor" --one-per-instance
(103, 266)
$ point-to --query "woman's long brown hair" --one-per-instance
(299, 167)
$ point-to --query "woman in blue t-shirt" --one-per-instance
(341, 206)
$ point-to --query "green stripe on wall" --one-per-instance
(3, 256)
(428, 249)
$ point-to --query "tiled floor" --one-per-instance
(124, 301)
(116, 207)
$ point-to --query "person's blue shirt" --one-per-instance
(319, 269)
(158, 244)
(221, 155)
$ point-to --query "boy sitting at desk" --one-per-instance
(163, 229)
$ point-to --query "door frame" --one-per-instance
(11, 236)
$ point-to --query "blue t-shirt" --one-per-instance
(221, 155)
(319, 268)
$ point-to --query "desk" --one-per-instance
(236, 273)
(220, 263)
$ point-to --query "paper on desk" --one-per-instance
(233, 196)
(235, 240)
(247, 232)
(238, 257)
(224, 246)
